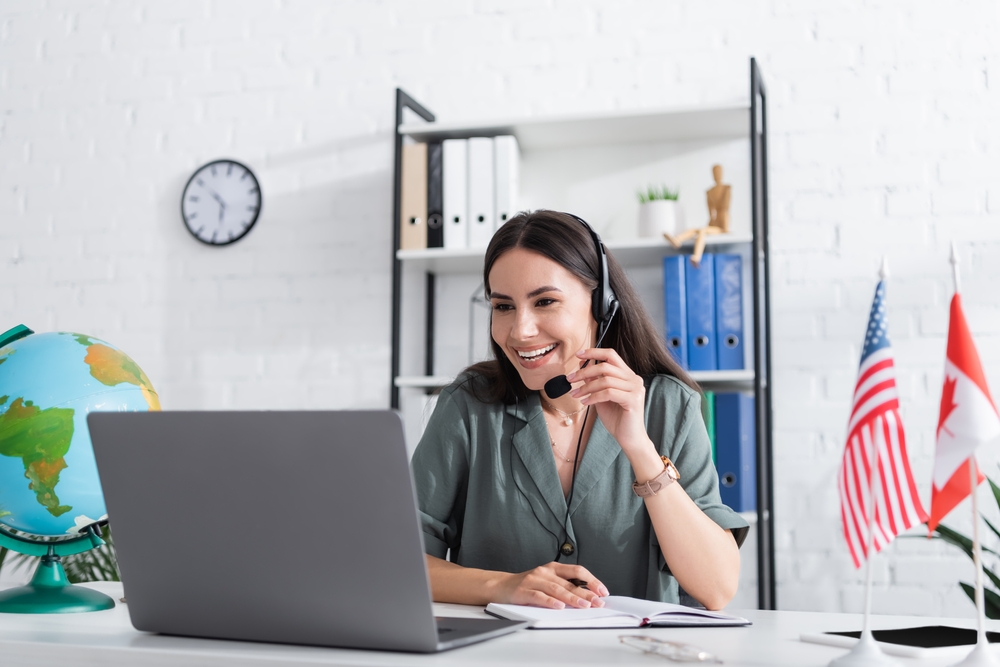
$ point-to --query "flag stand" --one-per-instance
(866, 652)
(980, 655)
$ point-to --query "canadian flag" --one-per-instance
(967, 420)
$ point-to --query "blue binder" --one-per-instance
(736, 450)
(701, 352)
(729, 311)
(675, 308)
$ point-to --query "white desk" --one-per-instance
(107, 638)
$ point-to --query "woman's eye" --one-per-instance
(545, 302)
(502, 307)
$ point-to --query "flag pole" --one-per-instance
(977, 552)
(980, 655)
(866, 633)
(866, 653)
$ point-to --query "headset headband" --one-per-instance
(603, 301)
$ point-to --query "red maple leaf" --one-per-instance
(948, 403)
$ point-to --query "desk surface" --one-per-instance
(107, 638)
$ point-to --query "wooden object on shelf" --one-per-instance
(718, 198)
(413, 198)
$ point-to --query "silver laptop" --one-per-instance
(293, 527)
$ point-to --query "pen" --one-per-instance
(579, 583)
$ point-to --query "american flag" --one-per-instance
(875, 429)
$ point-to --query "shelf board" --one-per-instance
(423, 381)
(722, 123)
(701, 377)
(628, 252)
(723, 377)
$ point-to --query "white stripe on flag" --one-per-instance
(911, 516)
(861, 488)
(875, 445)
(871, 405)
(848, 506)
(887, 373)
(876, 357)
(893, 514)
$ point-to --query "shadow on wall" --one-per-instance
(294, 315)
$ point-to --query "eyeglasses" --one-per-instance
(676, 651)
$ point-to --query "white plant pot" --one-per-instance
(656, 217)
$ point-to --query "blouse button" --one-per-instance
(566, 549)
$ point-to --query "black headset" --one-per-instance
(603, 302)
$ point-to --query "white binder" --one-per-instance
(506, 158)
(482, 204)
(455, 159)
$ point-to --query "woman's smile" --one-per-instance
(535, 357)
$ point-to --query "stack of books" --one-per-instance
(457, 192)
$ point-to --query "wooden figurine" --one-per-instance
(718, 197)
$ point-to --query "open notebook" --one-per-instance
(617, 612)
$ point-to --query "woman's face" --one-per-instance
(541, 315)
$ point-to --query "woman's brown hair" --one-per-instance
(564, 240)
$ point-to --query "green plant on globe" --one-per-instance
(51, 504)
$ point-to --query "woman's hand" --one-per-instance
(550, 586)
(618, 394)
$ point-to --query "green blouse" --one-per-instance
(488, 490)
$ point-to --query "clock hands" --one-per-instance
(222, 204)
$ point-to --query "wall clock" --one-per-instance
(221, 202)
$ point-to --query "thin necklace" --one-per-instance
(567, 417)
(556, 451)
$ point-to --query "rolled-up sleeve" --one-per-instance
(441, 473)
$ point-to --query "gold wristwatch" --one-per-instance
(661, 481)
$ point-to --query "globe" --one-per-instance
(49, 382)
(49, 487)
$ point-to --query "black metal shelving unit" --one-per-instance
(760, 254)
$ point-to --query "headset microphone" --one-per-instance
(559, 385)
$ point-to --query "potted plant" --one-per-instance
(657, 211)
(991, 596)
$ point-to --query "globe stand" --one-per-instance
(49, 591)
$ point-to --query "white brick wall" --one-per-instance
(883, 141)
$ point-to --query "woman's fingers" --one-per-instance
(612, 363)
(570, 572)
(605, 354)
(544, 592)
(615, 390)
(550, 586)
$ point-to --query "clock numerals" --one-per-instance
(212, 194)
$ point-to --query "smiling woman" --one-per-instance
(557, 501)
